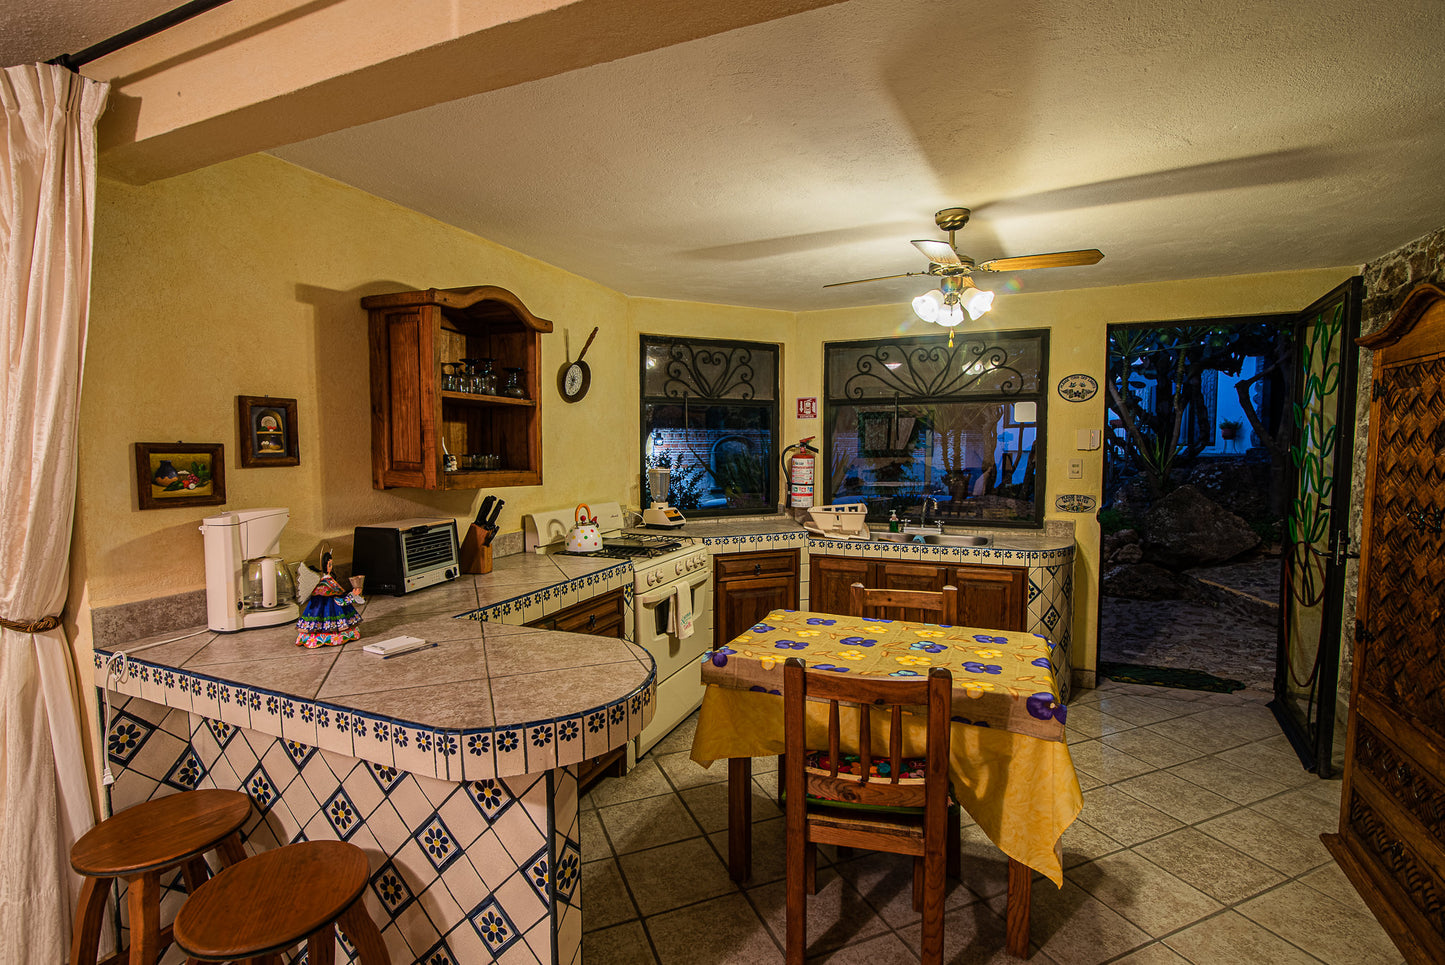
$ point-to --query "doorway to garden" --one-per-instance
(1195, 497)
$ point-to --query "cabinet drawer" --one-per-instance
(752, 565)
(602, 616)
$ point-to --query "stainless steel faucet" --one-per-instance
(926, 501)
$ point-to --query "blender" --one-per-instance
(247, 583)
(659, 513)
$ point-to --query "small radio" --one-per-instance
(407, 555)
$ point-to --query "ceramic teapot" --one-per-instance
(585, 536)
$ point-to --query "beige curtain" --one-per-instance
(47, 211)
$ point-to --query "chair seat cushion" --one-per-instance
(912, 767)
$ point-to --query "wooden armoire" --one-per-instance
(1391, 841)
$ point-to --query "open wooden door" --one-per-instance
(1316, 525)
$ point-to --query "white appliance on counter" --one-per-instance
(672, 578)
(247, 584)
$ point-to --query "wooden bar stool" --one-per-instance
(140, 844)
(266, 904)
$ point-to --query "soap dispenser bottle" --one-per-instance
(894, 524)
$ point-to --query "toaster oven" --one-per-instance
(407, 555)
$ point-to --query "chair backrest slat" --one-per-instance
(923, 606)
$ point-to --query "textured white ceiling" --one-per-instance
(1183, 139)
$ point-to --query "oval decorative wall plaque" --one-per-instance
(1078, 388)
(1075, 503)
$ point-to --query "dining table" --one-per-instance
(1009, 763)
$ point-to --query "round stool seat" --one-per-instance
(275, 900)
(159, 833)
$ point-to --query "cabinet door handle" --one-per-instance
(592, 621)
(757, 569)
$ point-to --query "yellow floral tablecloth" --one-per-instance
(1010, 767)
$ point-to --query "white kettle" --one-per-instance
(585, 536)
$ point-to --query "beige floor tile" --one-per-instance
(1073, 927)
(1123, 818)
(644, 780)
(1150, 747)
(1084, 843)
(1087, 720)
(1231, 939)
(1198, 734)
(1144, 893)
(678, 739)
(985, 867)
(1328, 879)
(709, 805)
(674, 875)
(1278, 765)
(973, 935)
(769, 851)
(886, 949)
(724, 931)
(1156, 954)
(886, 882)
(1302, 809)
(1135, 709)
(837, 914)
(684, 772)
(619, 945)
(594, 842)
(1283, 848)
(1253, 721)
(1228, 780)
(1210, 865)
(605, 897)
(1106, 763)
(1176, 797)
(1332, 931)
(647, 823)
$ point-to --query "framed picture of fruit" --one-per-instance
(268, 431)
(175, 474)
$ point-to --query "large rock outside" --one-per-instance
(1187, 529)
(1145, 581)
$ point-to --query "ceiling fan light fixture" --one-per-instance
(928, 305)
(951, 314)
(976, 302)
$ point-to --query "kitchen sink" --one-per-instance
(932, 539)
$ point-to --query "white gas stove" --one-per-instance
(671, 602)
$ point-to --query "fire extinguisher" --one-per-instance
(799, 471)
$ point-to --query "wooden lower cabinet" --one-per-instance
(749, 586)
(990, 597)
(601, 616)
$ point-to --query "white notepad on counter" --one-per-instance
(396, 645)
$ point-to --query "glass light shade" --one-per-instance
(927, 305)
(950, 314)
(976, 301)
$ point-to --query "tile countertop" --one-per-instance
(482, 677)
(1006, 541)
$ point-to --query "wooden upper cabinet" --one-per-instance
(415, 420)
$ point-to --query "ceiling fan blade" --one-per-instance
(938, 252)
(1057, 259)
(859, 281)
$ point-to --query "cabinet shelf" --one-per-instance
(414, 421)
(471, 398)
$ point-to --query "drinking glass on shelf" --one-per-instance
(513, 387)
(449, 377)
(486, 378)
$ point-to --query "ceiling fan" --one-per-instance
(956, 292)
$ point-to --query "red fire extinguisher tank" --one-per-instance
(800, 470)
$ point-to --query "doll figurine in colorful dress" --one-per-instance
(329, 617)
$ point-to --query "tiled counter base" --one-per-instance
(461, 872)
(453, 768)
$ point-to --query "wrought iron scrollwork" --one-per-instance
(932, 371)
(706, 372)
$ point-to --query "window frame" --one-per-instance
(1040, 397)
(773, 424)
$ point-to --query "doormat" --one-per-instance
(1134, 673)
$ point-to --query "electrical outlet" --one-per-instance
(1076, 469)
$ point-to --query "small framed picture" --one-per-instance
(268, 431)
(171, 474)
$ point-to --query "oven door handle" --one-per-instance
(652, 597)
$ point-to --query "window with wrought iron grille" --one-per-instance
(710, 417)
(912, 424)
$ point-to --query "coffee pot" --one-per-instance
(247, 583)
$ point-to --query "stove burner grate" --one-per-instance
(632, 547)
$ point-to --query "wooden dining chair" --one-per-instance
(923, 606)
(881, 802)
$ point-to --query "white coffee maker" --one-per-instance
(247, 583)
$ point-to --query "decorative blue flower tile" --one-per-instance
(342, 814)
(391, 889)
(539, 877)
(127, 736)
(299, 753)
(437, 843)
(262, 789)
(438, 954)
(491, 797)
(220, 730)
(386, 777)
(569, 871)
(186, 773)
(493, 926)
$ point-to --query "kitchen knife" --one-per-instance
(491, 523)
(482, 513)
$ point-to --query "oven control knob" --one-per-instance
(677, 567)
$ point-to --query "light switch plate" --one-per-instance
(1087, 440)
(1076, 469)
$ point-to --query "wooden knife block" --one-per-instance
(476, 557)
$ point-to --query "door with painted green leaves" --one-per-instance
(1316, 538)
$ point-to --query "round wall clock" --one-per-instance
(576, 378)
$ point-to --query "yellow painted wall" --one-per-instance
(1077, 321)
